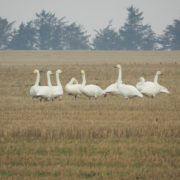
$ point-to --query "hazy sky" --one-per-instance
(93, 14)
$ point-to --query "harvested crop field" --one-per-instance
(107, 138)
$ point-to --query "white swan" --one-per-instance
(153, 88)
(112, 89)
(46, 92)
(90, 90)
(57, 90)
(34, 89)
(140, 84)
(128, 91)
(71, 88)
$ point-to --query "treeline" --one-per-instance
(48, 32)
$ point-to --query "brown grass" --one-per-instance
(107, 138)
(88, 57)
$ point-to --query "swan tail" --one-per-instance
(104, 92)
(165, 91)
(140, 94)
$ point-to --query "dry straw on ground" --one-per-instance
(89, 139)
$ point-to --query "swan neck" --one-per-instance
(83, 80)
(49, 80)
(58, 80)
(37, 79)
(156, 78)
(119, 80)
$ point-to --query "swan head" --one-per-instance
(75, 81)
(141, 79)
(82, 72)
(59, 71)
(118, 66)
(159, 73)
(49, 72)
(35, 71)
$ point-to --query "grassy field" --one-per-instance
(107, 138)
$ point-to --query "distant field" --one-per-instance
(107, 138)
(88, 57)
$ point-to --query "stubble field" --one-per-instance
(107, 138)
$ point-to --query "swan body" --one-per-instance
(150, 90)
(113, 89)
(72, 88)
(46, 92)
(90, 90)
(127, 91)
(57, 91)
(153, 88)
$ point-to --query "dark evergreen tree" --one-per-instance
(171, 37)
(134, 34)
(75, 37)
(57, 41)
(24, 38)
(107, 39)
(5, 32)
(49, 30)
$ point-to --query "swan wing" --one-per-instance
(128, 91)
(92, 90)
(111, 89)
(57, 91)
(44, 91)
(151, 89)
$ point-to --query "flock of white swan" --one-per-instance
(50, 92)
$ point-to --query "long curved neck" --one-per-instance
(83, 79)
(156, 78)
(57, 79)
(37, 79)
(119, 80)
(49, 80)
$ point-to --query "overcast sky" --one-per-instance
(94, 14)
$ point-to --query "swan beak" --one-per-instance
(115, 66)
(33, 72)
